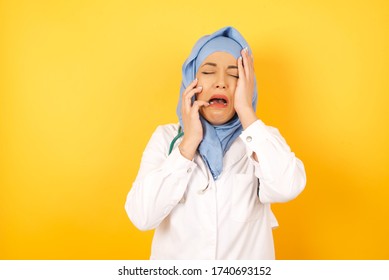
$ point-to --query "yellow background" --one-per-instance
(84, 84)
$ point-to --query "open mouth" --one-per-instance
(218, 100)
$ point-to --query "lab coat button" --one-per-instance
(249, 138)
(189, 170)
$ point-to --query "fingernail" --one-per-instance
(200, 88)
(246, 49)
(195, 80)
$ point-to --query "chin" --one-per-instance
(217, 118)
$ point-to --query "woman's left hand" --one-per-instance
(245, 89)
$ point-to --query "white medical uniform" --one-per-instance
(197, 217)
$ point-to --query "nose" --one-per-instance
(221, 83)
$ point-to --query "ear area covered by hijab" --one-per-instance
(216, 139)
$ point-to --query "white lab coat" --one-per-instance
(195, 217)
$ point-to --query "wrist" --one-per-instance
(187, 150)
(241, 109)
(246, 116)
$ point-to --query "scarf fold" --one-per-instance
(217, 139)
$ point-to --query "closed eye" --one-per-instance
(206, 73)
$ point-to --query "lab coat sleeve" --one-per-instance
(281, 174)
(160, 184)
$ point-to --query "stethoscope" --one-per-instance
(179, 135)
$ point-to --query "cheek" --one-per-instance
(232, 94)
(205, 80)
(205, 92)
(233, 84)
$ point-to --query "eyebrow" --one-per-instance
(209, 63)
(214, 64)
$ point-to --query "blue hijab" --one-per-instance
(217, 139)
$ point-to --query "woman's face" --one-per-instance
(218, 75)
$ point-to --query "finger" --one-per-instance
(250, 58)
(197, 104)
(200, 103)
(191, 86)
(252, 61)
(187, 100)
(192, 92)
(240, 68)
(246, 65)
(185, 106)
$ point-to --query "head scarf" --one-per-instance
(217, 139)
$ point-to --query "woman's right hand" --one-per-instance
(193, 133)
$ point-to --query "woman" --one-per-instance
(207, 190)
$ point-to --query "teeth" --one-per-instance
(218, 101)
